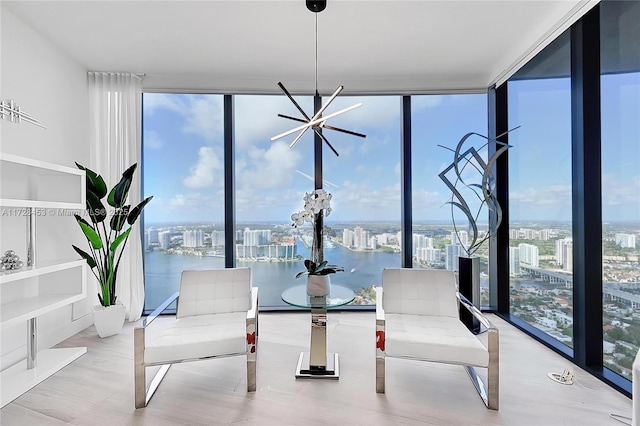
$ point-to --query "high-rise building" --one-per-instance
(419, 242)
(217, 238)
(460, 237)
(434, 255)
(452, 253)
(373, 242)
(429, 242)
(257, 237)
(164, 238)
(267, 251)
(347, 237)
(365, 239)
(568, 256)
(153, 236)
(564, 255)
(514, 261)
(626, 240)
(529, 254)
(193, 238)
(358, 238)
(383, 239)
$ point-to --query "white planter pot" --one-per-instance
(109, 320)
(318, 285)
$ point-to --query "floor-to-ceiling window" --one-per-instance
(183, 170)
(364, 180)
(620, 111)
(540, 228)
(441, 232)
(271, 180)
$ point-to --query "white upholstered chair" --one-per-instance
(217, 316)
(417, 318)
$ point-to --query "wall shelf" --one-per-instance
(25, 182)
(33, 189)
(17, 379)
(45, 267)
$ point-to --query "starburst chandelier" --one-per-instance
(317, 122)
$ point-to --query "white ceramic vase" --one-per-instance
(318, 285)
(110, 319)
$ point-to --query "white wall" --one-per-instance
(52, 87)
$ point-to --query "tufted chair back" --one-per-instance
(419, 292)
(214, 291)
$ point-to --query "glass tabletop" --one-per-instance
(297, 296)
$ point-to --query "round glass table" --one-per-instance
(317, 363)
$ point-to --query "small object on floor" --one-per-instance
(620, 418)
(566, 378)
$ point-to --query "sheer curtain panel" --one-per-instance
(116, 113)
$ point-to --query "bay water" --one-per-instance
(361, 269)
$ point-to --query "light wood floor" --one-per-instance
(97, 389)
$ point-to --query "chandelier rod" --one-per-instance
(317, 94)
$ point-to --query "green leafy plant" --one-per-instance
(318, 269)
(107, 244)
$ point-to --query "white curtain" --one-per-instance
(115, 144)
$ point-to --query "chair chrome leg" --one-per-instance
(490, 393)
(252, 352)
(251, 375)
(155, 382)
(493, 371)
(380, 357)
(380, 370)
(140, 377)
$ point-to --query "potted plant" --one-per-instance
(107, 242)
(317, 269)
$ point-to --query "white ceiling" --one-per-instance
(248, 46)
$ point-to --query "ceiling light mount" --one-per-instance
(316, 6)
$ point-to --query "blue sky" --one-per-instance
(183, 155)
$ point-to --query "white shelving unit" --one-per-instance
(33, 188)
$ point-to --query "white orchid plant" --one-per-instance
(316, 204)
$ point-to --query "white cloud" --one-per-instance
(361, 201)
(419, 103)
(272, 168)
(618, 193)
(205, 117)
(429, 204)
(203, 174)
(152, 140)
(178, 201)
(154, 101)
(194, 205)
(376, 112)
(256, 204)
(552, 195)
(202, 114)
(257, 118)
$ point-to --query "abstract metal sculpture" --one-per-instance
(11, 112)
(484, 192)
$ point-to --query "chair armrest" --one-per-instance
(253, 310)
(475, 312)
(380, 317)
(153, 315)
